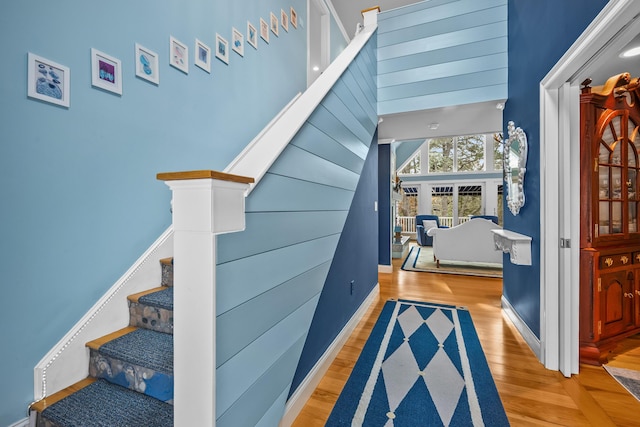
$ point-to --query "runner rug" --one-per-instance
(628, 378)
(421, 366)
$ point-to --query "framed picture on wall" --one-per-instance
(106, 72)
(203, 56)
(48, 81)
(178, 55)
(294, 18)
(237, 41)
(222, 49)
(284, 20)
(252, 35)
(264, 30)
(274, 24)
(147, 64)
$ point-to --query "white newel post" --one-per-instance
(205, 203)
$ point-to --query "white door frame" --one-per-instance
(559, 137)
(325, 38)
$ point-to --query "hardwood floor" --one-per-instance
(531, 394)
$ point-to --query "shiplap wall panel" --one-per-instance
(266, 310)
(442, 53)
(255, 359)
(273, 415)
(264, 231)
(271, 275)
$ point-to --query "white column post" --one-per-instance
(205, 203)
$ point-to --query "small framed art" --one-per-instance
(252, 35)
(274, 24)
(222, 49)
(203, 56)
(294, 18)
(237, 41)
(284, 20)
(147, 64)
(264, 30)
(178, 55)
(106, 72)
(48, 81)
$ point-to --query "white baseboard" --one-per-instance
(385, 268)
(311, 381)
(528, 335)
(68, 361)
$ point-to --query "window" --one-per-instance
(457, 154)
(412, 167)
(498, 150)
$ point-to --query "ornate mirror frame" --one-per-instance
(515, 162)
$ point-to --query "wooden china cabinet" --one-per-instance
(609, 206)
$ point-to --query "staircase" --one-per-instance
(130, 379)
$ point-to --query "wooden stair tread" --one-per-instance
(95, 344)
(43, 404)
(167, 261)
(136, 297)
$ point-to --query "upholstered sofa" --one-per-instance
(423, 223)
(471, 241)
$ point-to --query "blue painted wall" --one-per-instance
(384, 204)
(356, 261)
(81, 202)
(533, 50)
(307, 236)
(442, 52)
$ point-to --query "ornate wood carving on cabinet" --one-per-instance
(609, 206)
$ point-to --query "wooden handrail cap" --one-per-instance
(204, 174)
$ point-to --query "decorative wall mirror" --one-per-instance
(515, 161)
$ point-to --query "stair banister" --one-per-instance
(205, 203)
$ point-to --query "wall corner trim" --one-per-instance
(308, 385)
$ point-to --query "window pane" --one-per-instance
(442, 201)
(498, 151)
(469, 201)
(413, 167)
(441, 155)
(470, 150)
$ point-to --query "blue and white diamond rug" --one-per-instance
(422, 366)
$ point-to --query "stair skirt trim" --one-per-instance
(68, 361)
(308, 385)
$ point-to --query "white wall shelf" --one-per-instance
(517, 245)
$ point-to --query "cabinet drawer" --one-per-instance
(616, 260)
(636, 257)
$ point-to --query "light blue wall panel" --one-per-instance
(443, 41)
(345, 116)
(428, 29)
(277, 193)
(274, 414)
(241, 280)
(234, 332)
(455, 53)
(347, 96)
(326, 122)
(446, 84)
(266, 231)
(238, 374)
(349, 81)
(314, 141)
(259, 398)
(297, 163)
(442, 53)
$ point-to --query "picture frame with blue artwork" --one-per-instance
(237, 41)
(178, 55)
(222, 49)
(106, 72)
(203, 56)
(264, 30)
(252, 35)
(147, 64)
(48, 81)
(274, 24)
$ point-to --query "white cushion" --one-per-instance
(429, 223)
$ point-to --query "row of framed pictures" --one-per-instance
(49, 81)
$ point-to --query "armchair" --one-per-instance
(489, 217)
(421, 233)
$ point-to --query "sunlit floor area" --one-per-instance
(531, 394)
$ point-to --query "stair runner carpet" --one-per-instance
(133, 373)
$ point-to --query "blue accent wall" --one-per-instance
(384, 204)
(355, 260)
(539, 34)
(307, 222)
(81, 202)
(442, 52)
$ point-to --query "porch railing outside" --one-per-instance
(408, 223)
